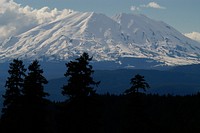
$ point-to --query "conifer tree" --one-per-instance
(80, 80)
(33, 90)
(34, 107)
(14, 83)
(137, 82)
(12, 97)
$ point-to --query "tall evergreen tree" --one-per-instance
(137, 82)
(33, 90)
(34, 103)
(80, 80)
(14, 83)
(12, 97)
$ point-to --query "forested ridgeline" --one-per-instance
(105, 114)
(27, 109)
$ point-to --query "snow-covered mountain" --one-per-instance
(104, 38)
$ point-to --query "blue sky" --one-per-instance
(181, 14)
(18, 16)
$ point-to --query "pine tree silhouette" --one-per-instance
(33, 90)
(12, 97)
(34, 102)
(137, 82)
(14, 84)
(80, 80)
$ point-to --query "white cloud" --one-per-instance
(149, 5)
(193, 35)
(16, 19)
(135, 8)
(153, 5)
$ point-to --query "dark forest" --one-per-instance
(27, 109)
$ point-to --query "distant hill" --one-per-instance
(192, 69)
(182, 80)
(117, 81)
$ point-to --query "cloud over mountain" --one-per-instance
(149, 5)
(134, 8)
(193, 35)
(16, 19)
(153, 5)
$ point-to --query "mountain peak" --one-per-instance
(107, 39)
(120, 15)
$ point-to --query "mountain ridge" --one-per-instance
(104, 38)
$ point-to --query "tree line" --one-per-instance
(30, 87)
(25, 101)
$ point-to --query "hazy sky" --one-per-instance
(184, 15)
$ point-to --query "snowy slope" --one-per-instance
(158, 40)
(104, 38)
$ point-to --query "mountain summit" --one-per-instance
(104, 38)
